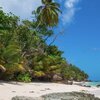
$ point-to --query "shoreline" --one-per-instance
(37, 89)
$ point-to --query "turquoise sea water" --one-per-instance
(92, 83)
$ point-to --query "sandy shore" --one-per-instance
(11, 89)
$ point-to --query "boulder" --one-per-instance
(26, 98)
(86, 85)
(60, 96)
(98, 85)
(70, 82)
(57, 77)
(67, 82)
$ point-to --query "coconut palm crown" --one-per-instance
(48, 13)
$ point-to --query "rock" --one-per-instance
(98, 85)
(26, 98)
(60, 96)
(70, 96)
(86, 85)
(57, 77)
(68, 82)
(14, 91)
(65, 82)
(31, 91)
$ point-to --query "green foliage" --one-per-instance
(48, 13)
(24, 50)
(72, 72)
(7, 21)
(24, 77)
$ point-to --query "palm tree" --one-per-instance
(2, 68)
(48, 13)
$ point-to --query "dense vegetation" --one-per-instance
(24, 52)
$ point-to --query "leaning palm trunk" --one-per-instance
(2, 68)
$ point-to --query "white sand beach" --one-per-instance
(11, 89)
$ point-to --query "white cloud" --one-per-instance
(70, 10)
(22, 8)
(70, 3)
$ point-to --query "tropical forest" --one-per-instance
(26, 55)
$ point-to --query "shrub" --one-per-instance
(24, 77)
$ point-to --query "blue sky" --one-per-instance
(80, 21)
